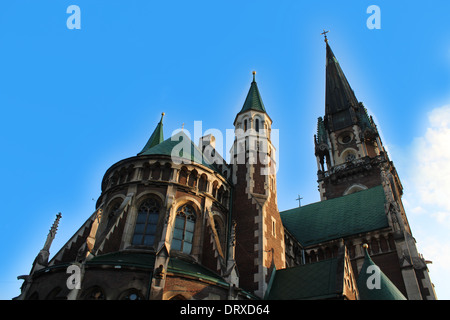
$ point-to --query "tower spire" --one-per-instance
(339, 96)
(253, 100)
(157, 136)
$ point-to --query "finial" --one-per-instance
(254, 74)
(52, 232)
(365, 246)
(162, 116)
(325, 35)
(182, 126)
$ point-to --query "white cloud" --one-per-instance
(427, 195)
(430, 164)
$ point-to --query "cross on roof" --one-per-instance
(299, 198)
(325, 34)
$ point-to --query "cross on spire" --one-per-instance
(325, 34)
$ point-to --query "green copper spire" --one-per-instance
(253, 100)
(156, 138)
(373, 284)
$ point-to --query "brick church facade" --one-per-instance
(177, 222)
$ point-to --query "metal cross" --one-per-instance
(325, 34)
(299, 199)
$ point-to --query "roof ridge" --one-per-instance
(323, 201)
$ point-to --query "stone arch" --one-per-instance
(183, 175)
(122, 175)
(383, 244)
(177, 296)
(348, 154)
(354, 188)
(130, 172)
(148, 217)
(203, 183)
(375, 248)
(114, 178)
(215, 188)
(131, 294)
(192, 179)
(226, 198)
(187, 227)
(220, 193)
(219, 223)
(149, 193)
(94, 293)
(167, 172)
(258, 122)
(312, 256)
(145, 171)
(156, 171)
(113, 203)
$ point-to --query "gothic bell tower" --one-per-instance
(348, 147)
(259, 230)
(351, 158)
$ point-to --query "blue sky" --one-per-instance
(76, 101)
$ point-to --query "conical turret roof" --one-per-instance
(156, 138)
(373, 284)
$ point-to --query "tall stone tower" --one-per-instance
(259, 231)
(351, 158)
(348, 147)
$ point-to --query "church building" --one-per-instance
(176, 222)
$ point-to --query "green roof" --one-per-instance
(336, 218)
(131, 259)
(253, 100)
(182, 147)
(147, 260)
(382, 290)
(194, 269)
(316, 280)
(156, 138)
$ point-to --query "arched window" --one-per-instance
(257, 125)
(113, 207)
(349, 155)
(203, 182)
(131, 294)
(95, 293)
(192, 179)
(167, 172)
(147, 220)
(156, 171)
(183, 176)
(214, 189)
(183, 232)
(245, 125)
